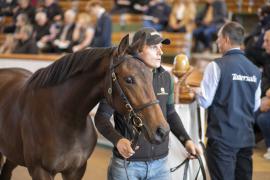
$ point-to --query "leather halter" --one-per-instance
(132, 116)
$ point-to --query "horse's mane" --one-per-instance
(67, 67)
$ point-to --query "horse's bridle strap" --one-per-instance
(125, 99)
(138, 109)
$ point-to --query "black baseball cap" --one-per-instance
(152, 36)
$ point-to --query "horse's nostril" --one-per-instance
(162, 133)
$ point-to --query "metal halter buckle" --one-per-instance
(129, 107)
(137, 121)
(113, 76)
(110, 91)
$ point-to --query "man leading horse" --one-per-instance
(134, 157)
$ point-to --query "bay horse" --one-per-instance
(43, 116)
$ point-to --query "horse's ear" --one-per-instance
(123, 46)
(139, 43)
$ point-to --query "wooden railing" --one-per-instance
(41, 57)
(81, 5)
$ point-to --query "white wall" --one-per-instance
(31, 65)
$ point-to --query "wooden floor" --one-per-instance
(97, 165)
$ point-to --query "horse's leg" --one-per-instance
(39, 173)
(7, 170)
(76, 174)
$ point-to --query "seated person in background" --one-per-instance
(103, 29)
(263, 118)
(8, 46)
(45, 44)
(121, 6)
(263, 121)
(83, 32)
(24, 7)
(7, 7)
(254, 41)
(157, 15)
(140, 6)
(53, 10)
(26, 44)
(208, 21)
(63, 41)
(42, 26)
(182, 16)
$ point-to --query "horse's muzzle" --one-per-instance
(161, 134)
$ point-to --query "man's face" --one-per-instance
(151, 55)
(221, 42)
(266, 42)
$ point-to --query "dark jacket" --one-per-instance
(29, 11)
(219, 13)
(69, 32)
(103, 32)
(26, 47)
(161, 11)
(41, 31)
(53, 10)
(231, 115)
(163, 88)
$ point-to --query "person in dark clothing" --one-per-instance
(254, 41)
(63, 41)
(140, 6)
(146, 160)
(266, 63)
(42, 27)
(7, 7)
(263, 117)
(209, 20)
(157, 15)
(53, 10)
(231, 91)
(121, 6)
(103, 29)
(26, 44)
(24, 7)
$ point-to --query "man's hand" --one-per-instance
(265, 104)
(124, 148)
(192, 149)
(268, 93)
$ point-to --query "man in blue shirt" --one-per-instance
(230, 90)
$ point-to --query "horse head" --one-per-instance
(130, 92)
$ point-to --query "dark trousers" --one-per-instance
(205, 34)
(228, 163)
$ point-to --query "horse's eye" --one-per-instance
(130, 80)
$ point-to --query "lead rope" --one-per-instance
(133, 146)
(186, 163)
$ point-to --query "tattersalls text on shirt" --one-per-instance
(239, 77)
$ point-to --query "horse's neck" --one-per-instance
(86, 90)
